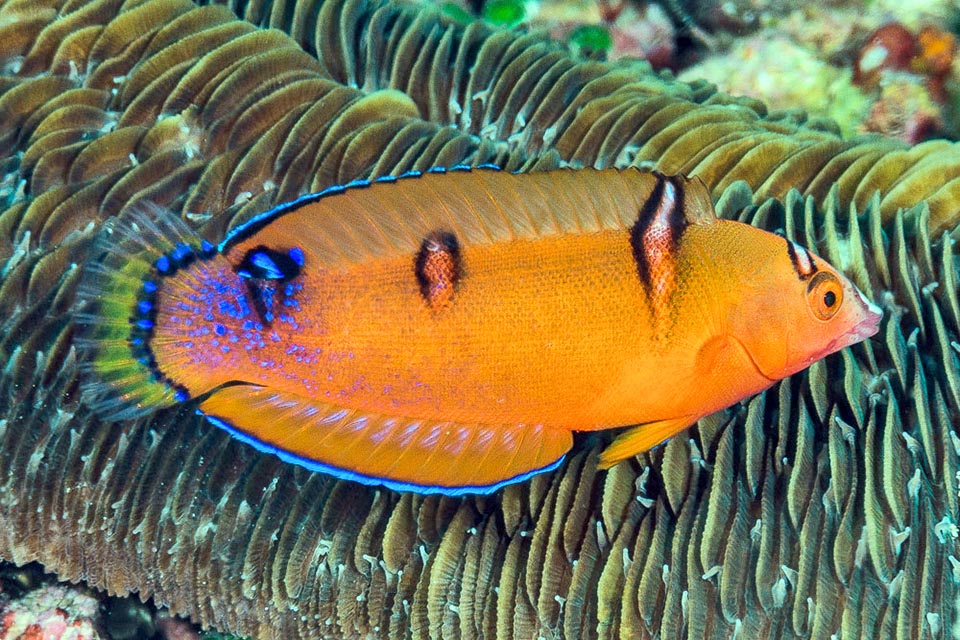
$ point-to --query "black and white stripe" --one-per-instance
(658, 229)
(802, 261)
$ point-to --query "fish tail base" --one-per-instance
(116, 307)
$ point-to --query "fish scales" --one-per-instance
(447, 331)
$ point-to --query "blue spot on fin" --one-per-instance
(263, 263)
(267, 266)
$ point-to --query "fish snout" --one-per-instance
(869, 324)
(864, 322)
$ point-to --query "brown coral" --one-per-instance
(825, 504)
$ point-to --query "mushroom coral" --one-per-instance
(826, 505)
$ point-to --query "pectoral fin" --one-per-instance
(401, 453)
(642, 438)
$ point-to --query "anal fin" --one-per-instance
(641, 438)
(401, 453)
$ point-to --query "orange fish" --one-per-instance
(448, 331)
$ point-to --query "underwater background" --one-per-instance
(826, 506)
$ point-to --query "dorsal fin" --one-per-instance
(697, 203)
(365, 219)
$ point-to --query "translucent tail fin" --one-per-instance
(116, 306)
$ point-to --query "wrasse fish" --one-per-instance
(448, 331)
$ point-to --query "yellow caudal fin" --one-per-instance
(400, 453)
(116, 309)
(641, 438)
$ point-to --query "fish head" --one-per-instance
(795, 308)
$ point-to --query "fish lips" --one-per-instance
(870, 323)
(865, 328)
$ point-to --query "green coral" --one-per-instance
(500, 13)
(590, 39)
(504, 13)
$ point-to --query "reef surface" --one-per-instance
(827, 505)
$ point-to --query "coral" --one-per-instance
(833, 32)
(823, 506)
(55, 612)
(178, 629)
(34, 605)
(645, 33)
(639, 32)
(890, 47)
(906, 73)
(912, 14)
(899, 85)
(506, 13)
(786, 75)
(904, 109)
(588, 39)
(936, 52)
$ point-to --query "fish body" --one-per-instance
(447, 332)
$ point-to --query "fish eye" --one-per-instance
(824, 295)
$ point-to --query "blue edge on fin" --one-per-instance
(253, 224)
(343, 474)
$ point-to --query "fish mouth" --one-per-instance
(868, 326)
(870, 323)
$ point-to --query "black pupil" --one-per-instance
(829, 298)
